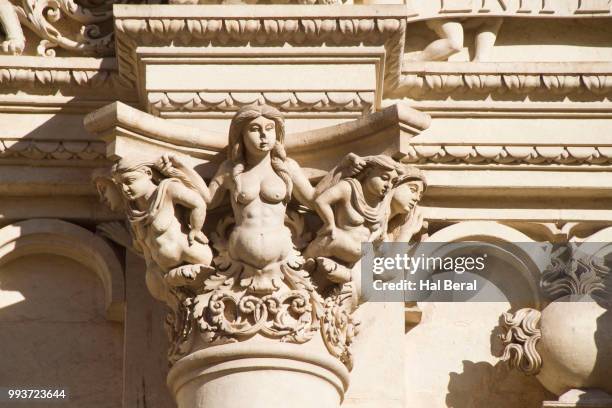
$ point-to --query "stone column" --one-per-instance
(259, 374)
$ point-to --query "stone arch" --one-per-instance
(527, 256)
(53, 236)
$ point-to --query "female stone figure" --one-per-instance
(111, 196)
(261, 180)
(406, 219)
(355, 205)
(166, 215)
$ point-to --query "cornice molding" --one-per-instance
(65, 152)
(82, 28)
(431, 79)
(261, 26)
(127, 130)
(508, 154)
(196, 104)
(64, 76)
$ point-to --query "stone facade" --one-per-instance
(186, 188)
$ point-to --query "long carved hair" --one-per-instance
(128, 165)
(236, 150)
(380, 161)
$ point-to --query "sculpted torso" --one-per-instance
(258, 193)
(350, 229)
(353, 211)
(260, 236)
(167, 219)
(166, 238)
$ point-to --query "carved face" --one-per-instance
(416, 191)
(380, 181)
(109, 195)
(137, 184)
(259, 135)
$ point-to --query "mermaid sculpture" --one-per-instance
(356, 203)
(166, 211)
(260, 180)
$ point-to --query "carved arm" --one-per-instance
(188, 198)
(218, 186)
(304, 191)
(340, 192)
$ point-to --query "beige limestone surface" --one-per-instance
(55, 334)
(503, 106)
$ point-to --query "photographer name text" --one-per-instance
(426, 285)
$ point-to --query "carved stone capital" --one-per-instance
(259, 278)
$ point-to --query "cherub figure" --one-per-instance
(354, 202)
(14, 40)
(166, 209)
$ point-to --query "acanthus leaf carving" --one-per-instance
(571, 273)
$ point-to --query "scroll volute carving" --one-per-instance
(283, 253)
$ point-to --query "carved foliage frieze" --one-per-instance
(66, 80)
(286, 101)
(51, 150)
(481, 85)
(509, 154)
